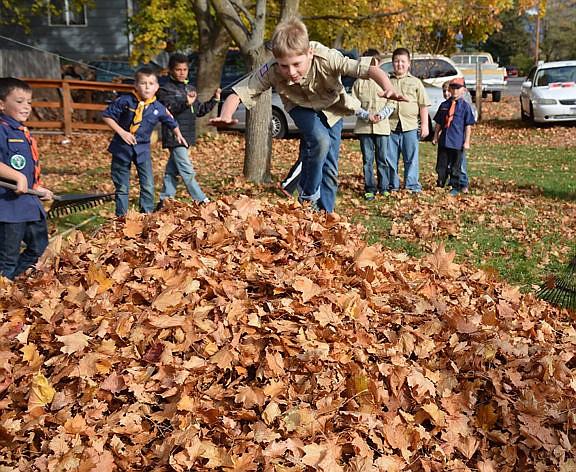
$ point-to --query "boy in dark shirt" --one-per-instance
(180, 98)
(22, 216)
(133, 117)
(454, 120)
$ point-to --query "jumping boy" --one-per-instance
(133, 117)
(22, 216)
(454, 120)
(180, 98)
(307, 76)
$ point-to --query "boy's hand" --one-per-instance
(191, 97)
(179, 137)
(128, 137)
(374, 118)
(217, 93)
(222, 122)
(21, 184)
(48, 195)
(392, 95)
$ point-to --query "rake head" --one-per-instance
(560, 289)
(70, 203)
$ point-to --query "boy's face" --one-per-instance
(456, 92)
(18, 105)
(180, 71)
(294, 68)
(146, 86)
(446, 92)
(401, 64)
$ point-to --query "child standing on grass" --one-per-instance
(463, 173)
(404, 138)
(373, 130)
(133, 117)
(22, 216)
(180, 98)
(454, 120)
(307, 76)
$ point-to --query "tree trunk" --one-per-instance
(214, 42)
(259, 140)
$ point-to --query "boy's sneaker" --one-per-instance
(453, 192)
(385, 194)
(368, 196)
(464, 189)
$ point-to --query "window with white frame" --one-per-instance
(66, 13)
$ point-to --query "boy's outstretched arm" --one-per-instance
(228, 108)
(181, 139)
(380, 77)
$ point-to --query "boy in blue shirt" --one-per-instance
(22, 216)
(454, 120)
(133, 117)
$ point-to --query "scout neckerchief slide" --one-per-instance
(68, 203)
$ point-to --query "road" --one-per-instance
(513, 87)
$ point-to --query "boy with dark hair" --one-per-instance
(22, 216)
(404, 136)
(454, 120)
(133, 117)
(307, 76)
(180, 98)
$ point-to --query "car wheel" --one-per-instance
(279, 126)
(496, 96)
(531, 113)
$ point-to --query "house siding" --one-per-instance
(105, 34)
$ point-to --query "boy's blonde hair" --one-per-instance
(290, 39)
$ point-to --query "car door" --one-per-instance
(525, 89)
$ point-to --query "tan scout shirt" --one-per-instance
(367, 92)
(320, 89)
(408, 112)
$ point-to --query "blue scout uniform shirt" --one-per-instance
(122, 111)
(15, 152)
(453, 137)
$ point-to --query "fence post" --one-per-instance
(479, 89)
(67, 107)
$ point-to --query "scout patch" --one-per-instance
(263, 70)
(18, 161)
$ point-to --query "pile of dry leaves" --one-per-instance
(242, 336)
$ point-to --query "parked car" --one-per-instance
(549, 93)
(432, 69)
(512, 71)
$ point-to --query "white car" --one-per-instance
(549, 93)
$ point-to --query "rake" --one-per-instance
(560, 289)
(68, 203)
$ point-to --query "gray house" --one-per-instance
(92, 34)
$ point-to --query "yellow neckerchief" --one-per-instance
(139, 111)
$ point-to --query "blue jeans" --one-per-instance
(14, 261)
(319, 181)
(179, 163)
(463, 174)
(121, 177)
(373, 146)
(405, 143)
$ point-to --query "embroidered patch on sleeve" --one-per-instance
(14, 140)
(263, 70)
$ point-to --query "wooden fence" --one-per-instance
(74, 104)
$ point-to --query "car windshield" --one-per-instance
(545, 77)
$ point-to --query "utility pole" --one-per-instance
(537, 47)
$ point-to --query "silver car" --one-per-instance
(549, 93)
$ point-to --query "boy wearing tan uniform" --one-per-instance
(307, 76)
(404, 123)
